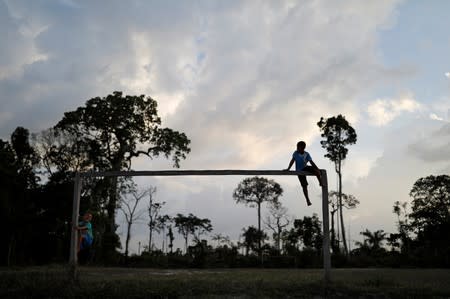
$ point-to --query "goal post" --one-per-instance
(78, 180)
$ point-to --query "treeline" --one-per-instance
(106, 134)
(421, 239)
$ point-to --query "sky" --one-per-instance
(246, 80)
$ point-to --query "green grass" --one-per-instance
(100, 283)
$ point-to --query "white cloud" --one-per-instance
(447, 74)
(244, 80)
(383, 111)
(435, 117)
(19, 48)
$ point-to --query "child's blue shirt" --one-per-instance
(301, 160)
(88, 226)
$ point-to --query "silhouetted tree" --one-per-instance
(191, 225)
(309, 232)
(153, 209)
(128, 206)
(373, 241)
(338, 133)
(112, 130)
(220, 239)
(253, 239)
(171, 238)
(400, 209)
(276, 221)
(18, 207)
(349, 202)
(430, 219)
(254, 191)
(163, 222)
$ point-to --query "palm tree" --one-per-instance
(372, 241)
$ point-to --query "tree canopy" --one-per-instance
(116, 128)
(256, 190)
(338, 133)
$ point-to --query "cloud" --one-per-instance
(411, 150)
(435, 117)
(383, 111)
(447, 74)
(18, 43)
(434, 146)
(244, 80)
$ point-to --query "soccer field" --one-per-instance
(95, 282)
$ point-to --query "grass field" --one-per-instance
(100, 283)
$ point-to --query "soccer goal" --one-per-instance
(78, 181)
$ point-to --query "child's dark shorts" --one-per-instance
(302, 178)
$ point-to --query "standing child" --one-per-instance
(86, 236)
(301, 158)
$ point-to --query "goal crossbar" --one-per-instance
(78, 181)
(207, 172)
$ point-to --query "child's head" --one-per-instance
(301, 145)
(87, 216)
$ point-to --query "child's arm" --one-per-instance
(290, 164)
(80, 227)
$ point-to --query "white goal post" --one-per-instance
(78, 180)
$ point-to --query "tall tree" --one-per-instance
(277, 220)
(115, 129)
(430, 219)
(163, 222)
(253, 192)
(171, 238)
(400, 209)
(191, 225)
(153, 209)
(19, 211)
(349, 202)
(128, 206)
(431, 202)
(338, 133)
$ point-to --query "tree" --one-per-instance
(277, 220)
(309, 231)
(19, 209)
(430, 219)
(201, 227)
(373, 241)
(162, 222)
(252, 239)
(349, 202)
(253, 192)
(191, 225)
(112, 130)
(171, 238)
(400, 209)
(153, 209)
(431, 202)
(220, 239)
(338, 133)
(61, 152)
(26, 157)
(128, 208)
